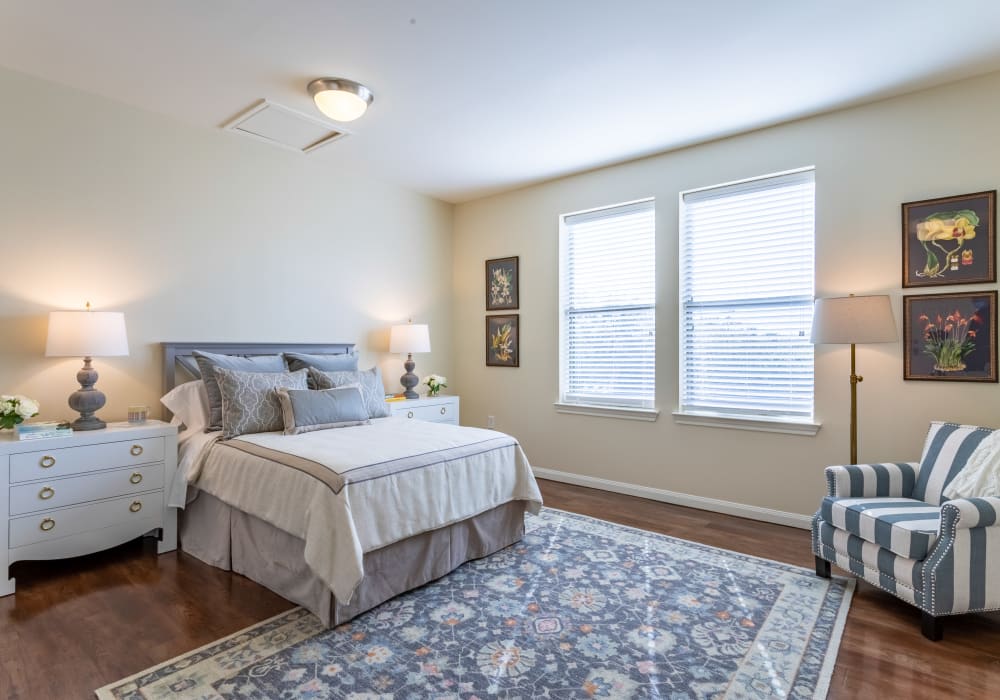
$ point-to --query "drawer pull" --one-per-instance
(136, 506)
(47, 524)
(409, 414)
(135, 478)
(46, 461)
(443, 410)
(136, 450)
(46, 493)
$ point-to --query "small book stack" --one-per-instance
(43, 430)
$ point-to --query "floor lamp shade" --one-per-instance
(852, 320)
(86, 334)
(845, 320)
(409, 338)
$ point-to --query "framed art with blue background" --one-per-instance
(950, 240)
(950, 337)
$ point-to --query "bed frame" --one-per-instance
(230, 539)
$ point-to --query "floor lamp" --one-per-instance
(854, 320)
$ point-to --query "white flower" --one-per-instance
(27, 407)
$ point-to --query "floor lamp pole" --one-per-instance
(854, 408)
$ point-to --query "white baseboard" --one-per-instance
(742, 510)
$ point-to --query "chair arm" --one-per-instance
(968, 513)
(887, 480)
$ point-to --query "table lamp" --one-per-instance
(86, 334)
(851, 319)
(409, 338)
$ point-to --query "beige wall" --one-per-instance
(868, 160)
(197, 235)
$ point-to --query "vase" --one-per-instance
(952, 368)
(433, 392)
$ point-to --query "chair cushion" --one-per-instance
(946, 450)
(904, 526)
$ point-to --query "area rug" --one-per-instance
(579, 608)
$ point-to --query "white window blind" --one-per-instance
(608, 302)
(747, 273)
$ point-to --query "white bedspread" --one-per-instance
(352, 490)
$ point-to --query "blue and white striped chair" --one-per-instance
(891, 525)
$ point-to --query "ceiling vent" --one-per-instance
(285, 127)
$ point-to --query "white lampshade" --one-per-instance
(843, 320)
(340, 99)
(86, 334)
(410, 337)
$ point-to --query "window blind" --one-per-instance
(608, 300)
(747, 278)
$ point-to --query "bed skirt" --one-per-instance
(230, 539)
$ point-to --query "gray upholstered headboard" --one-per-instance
(175, 354)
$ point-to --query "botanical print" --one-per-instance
(951, 336)
(949, 240)
(502, 339)
(580, 608)
(501, 284)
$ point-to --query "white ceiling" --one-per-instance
(474, 97)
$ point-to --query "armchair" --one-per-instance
(891, 525)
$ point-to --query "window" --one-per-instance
(747, 299)
(608, 303)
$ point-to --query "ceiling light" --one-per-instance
(340, 99)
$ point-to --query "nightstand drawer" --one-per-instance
(56, 493)
(143, 509)
(48, 464)
(441, 413)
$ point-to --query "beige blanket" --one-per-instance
(351, 490)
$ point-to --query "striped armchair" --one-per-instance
(891, 525)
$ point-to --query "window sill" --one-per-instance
(644, 414)
(764, 425)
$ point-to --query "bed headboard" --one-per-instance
(175, 354)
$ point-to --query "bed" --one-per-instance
(341, 520)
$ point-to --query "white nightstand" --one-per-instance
(64, 497)
(437, 409)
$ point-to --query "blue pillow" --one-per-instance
(208, 361)
(345, 362)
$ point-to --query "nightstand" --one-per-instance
(437, 409)
(64, 497)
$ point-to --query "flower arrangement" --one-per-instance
(14, 409)
(500, 287)
(948, 340)
(501, 343)
(435, 383)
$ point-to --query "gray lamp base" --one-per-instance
(87, 400)
(409, 380)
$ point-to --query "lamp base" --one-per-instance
(87, 400)
(409, 380)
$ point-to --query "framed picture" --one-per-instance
(503, 337)
(501, 284)
(950, 337)
(951, 240)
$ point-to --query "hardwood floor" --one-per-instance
(75, 625)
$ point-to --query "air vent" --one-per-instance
(285, 127)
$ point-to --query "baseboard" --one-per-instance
(714, 505)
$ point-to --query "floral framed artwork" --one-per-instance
(950, 240)
(503, 337)
(950, 337)
(501, 284)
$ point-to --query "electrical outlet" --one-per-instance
(491, 421)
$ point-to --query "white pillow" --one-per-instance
(980, 477)
(189, 403)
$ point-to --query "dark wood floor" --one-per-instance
(78, 624)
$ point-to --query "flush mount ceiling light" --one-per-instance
(340, 99)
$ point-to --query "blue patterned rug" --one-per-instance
(580, 608)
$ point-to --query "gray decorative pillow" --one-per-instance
(370, 381)
(305, 410)
(328, 363)
(249, 401)
(208, 361)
